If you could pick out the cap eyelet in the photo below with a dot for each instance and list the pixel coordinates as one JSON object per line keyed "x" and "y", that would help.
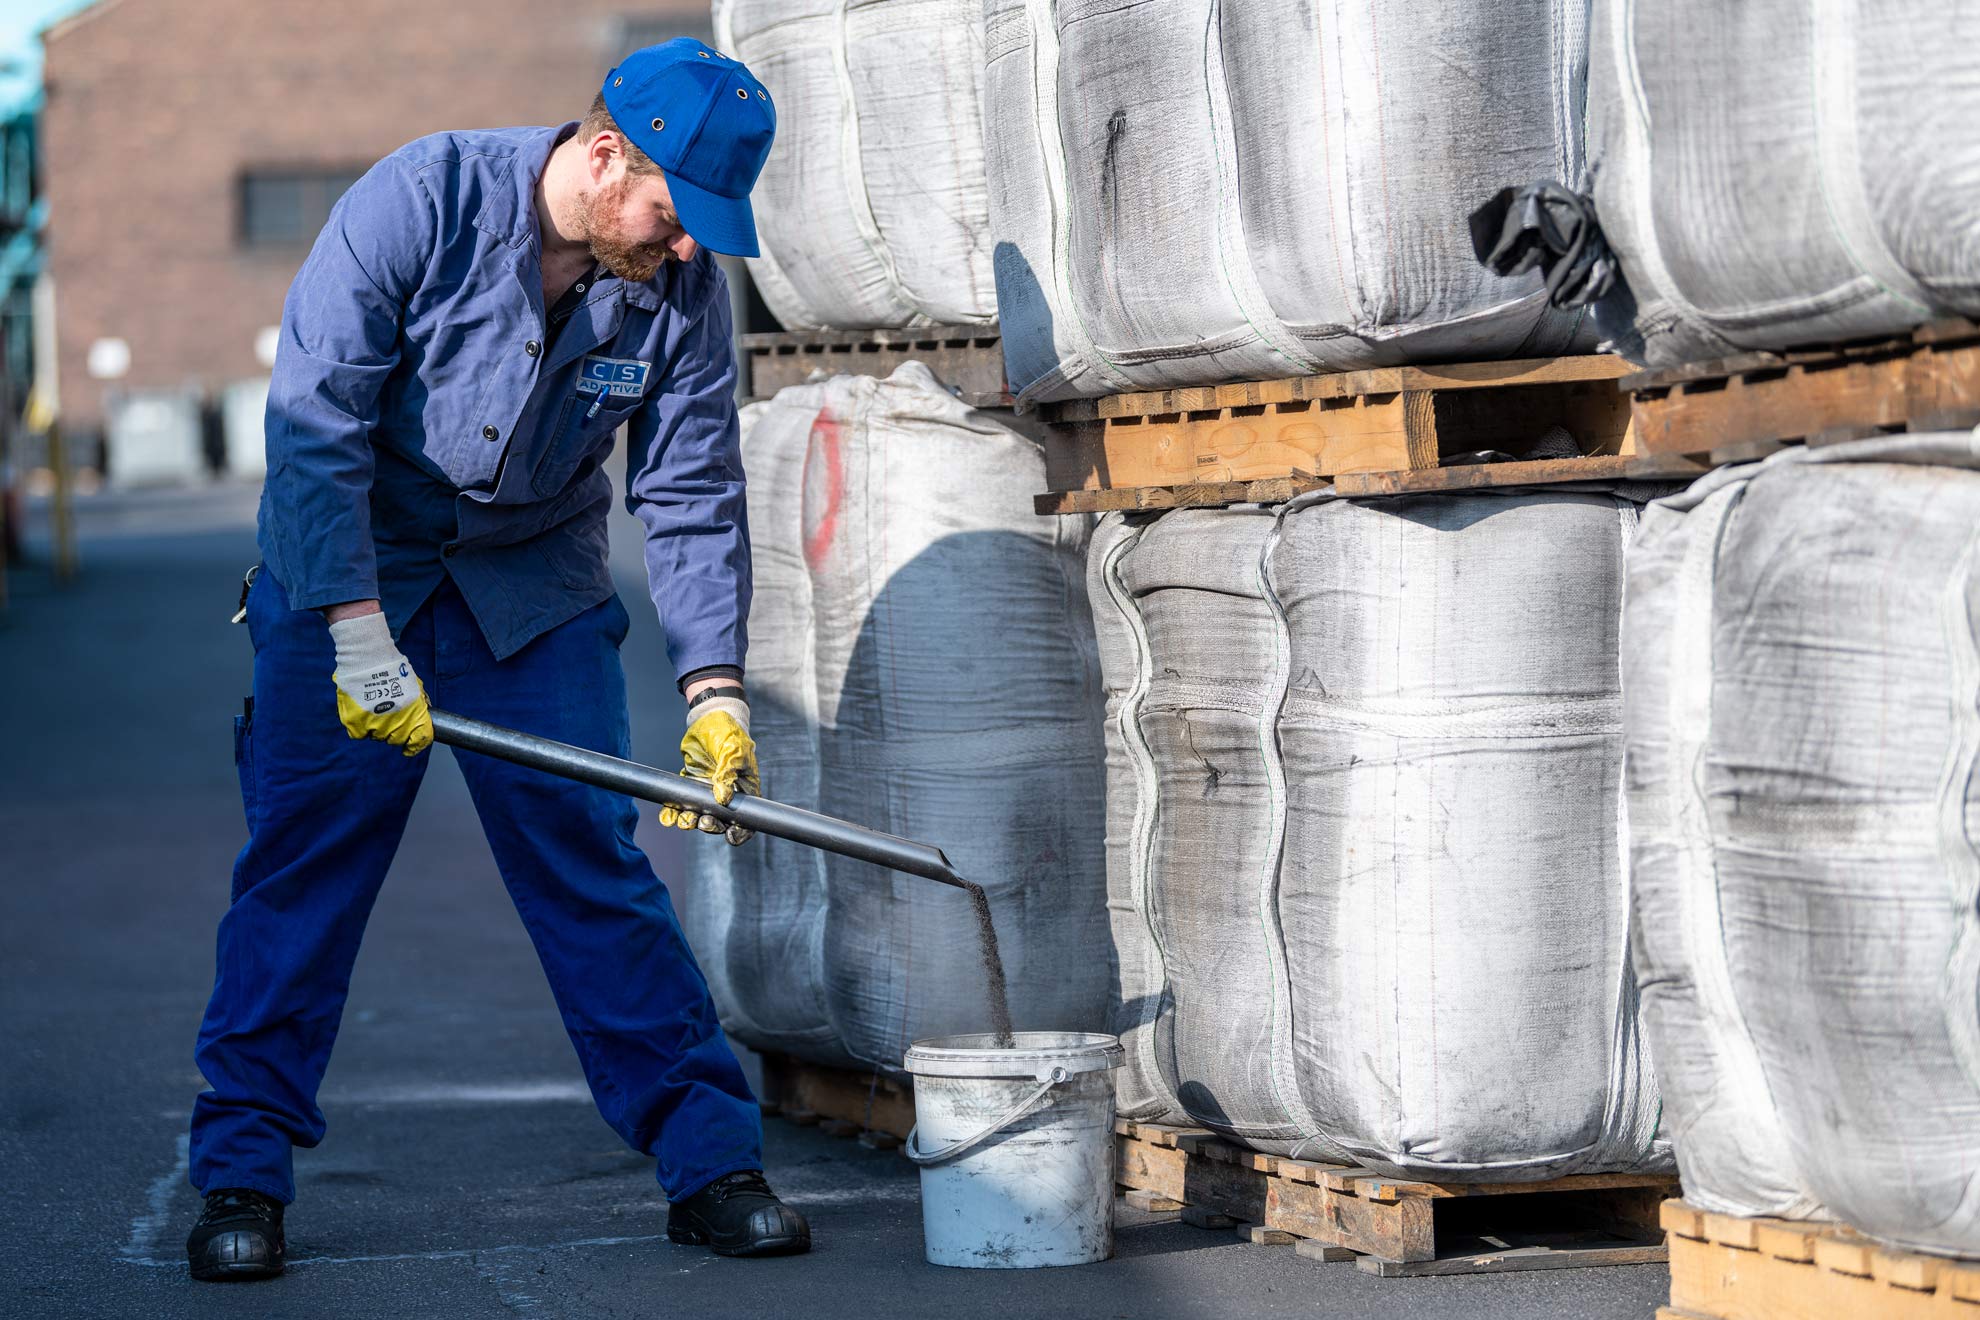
{"x": 659, "y": 124}
{"x": 618, "y": 82}
{"x": 743, "y": 92}
{"x": 702, "y": 53}
{"x": 761, "y": 97}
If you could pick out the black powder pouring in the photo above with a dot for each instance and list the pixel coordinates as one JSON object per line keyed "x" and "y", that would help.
{"x": 993, "y": 967}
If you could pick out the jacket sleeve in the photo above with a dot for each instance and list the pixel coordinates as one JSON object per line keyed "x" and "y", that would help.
{"x": 684, "y": 482}
{"x": 339, "y": 343}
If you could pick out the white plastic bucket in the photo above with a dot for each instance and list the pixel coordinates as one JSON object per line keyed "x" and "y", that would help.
{"x": 1016, "y": 1148}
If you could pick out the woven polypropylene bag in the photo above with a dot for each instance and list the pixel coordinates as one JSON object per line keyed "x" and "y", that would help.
{"x": 931, "y": 673}
{"x": 872, "y": 209}
{"x": 1364, "y": 801}
{"x": 1190, "y": 191}
{"x": 1823, "y": 609}
{"x": 1808, "y": 174}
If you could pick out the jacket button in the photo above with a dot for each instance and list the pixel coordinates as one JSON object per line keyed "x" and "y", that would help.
{"x": 447, "y": 551}
{"x": 532, "y": 348}
{"x": 490, "y": 433}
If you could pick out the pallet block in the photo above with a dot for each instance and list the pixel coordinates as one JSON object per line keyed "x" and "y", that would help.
{"x": 1727, "y": 1268}
{"x": 837, "y": 1100}
{"x": 1270, "y": 440}
{"x": 967, "y": 359}
{"x": 1395, "y": 1226}
{"x": 1748, "y": 406}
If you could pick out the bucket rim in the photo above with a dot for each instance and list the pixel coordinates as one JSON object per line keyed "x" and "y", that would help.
{"x": 1037, "y": 1054}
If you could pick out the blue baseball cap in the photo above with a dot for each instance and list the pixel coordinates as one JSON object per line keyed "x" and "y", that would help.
{"x": 707, "y": 123}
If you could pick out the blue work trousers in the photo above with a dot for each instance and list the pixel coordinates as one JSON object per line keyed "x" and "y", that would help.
{"x": 325, "y": 815}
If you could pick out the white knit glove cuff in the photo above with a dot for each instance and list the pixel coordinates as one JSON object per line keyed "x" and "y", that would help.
{"x": 369, "y": 666}
{"x": 735, "y": 706}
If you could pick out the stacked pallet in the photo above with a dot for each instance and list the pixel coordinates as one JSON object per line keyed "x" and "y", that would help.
{"x": 1357, "y": 586}
{"x": 1380, "y": 431}
{"x": 1367, "y": 515}
{"x": 1798, "y": 274}
{"x": 1392, "y": 1227}
{"x": 1724, "y": 1267}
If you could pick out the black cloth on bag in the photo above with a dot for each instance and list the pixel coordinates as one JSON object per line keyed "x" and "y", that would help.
{"x": 1553, "y": 228}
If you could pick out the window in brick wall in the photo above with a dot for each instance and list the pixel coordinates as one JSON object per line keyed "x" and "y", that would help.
{"x": 287, "y": 207}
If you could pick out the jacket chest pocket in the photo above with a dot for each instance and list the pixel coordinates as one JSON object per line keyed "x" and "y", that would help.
{"x": 585, "y": 424}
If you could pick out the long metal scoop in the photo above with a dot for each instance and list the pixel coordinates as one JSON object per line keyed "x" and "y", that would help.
{"x": 643, "y": 781}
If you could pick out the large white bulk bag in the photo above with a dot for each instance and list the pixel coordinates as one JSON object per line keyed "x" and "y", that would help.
{"x": 755, "y": 916}
{"x": 871, "y": 210}
{"x": 1370, "y": 830}
{"x": 1190, "y": 191}
{"x": 923, "y": 660}
{"x": 1807, "y": 173}
{"x": 1191, "y": 656}
{"x": 1812, "y": 951}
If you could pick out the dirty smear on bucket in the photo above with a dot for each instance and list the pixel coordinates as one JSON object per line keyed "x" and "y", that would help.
{"x": 1016, "y": 1147}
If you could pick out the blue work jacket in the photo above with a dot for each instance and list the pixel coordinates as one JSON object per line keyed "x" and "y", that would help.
{"x": 419, "y": 426}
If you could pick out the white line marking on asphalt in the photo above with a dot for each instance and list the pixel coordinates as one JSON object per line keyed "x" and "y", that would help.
{"x": 464, "y": 1253}
{"x": 876, "y": 1192}
{"x": 497, "y": 1093}
{"x": 511, "y": 1278}
{"x": 132, "y": 1256}
{"x": 149, "y": 1223}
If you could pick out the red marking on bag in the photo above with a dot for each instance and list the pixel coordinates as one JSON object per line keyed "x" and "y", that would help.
{"x": 824, "y": 486}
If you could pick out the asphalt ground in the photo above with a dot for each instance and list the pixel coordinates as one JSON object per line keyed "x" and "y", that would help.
{"x": 465, "y": 1173}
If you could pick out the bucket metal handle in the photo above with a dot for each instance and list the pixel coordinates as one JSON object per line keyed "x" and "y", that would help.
{"x": 1017, "y": 1111}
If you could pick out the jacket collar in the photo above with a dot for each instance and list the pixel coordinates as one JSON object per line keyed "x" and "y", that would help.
{"x": 508, "y": 208}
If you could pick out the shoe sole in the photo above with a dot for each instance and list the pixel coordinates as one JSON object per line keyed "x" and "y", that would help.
{"x": 234, "y": 1273}
{"x": 789, "y": 1245}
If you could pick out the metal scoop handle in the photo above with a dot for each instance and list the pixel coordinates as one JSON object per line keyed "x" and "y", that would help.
{"x": 642, "y": 781}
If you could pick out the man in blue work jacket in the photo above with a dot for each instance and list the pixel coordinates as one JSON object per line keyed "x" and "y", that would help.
{"x": 480, "y": 316}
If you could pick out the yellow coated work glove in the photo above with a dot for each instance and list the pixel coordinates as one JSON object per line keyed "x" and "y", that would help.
{"x": 378, "y": 695}
{"x": 718, "y": 751}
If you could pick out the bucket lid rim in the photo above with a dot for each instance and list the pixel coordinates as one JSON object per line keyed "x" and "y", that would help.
{"x": 1089, "y": 1052}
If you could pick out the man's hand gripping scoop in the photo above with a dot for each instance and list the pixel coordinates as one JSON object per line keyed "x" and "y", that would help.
{"x": 718, "y": 751}
{"x": 378, "y": 695}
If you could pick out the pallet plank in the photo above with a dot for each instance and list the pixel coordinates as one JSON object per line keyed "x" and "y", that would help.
{"x": 1473, "y": 476}
{"x": 1928, "y": 380}
{"x": 849, "y": 1102}
{"x": 1375, "y": 1215}
{"x": 1516, "y": 1258}
{"x": 1805, "y": 1271}
{"x": 968, "y": 359}
{"x": 1346, "y": 384}
{"x": 1156, "y": 1169}
{"x": 1198, "y": 445}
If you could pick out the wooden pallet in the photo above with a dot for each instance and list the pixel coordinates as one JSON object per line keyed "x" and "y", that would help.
{"x": 968, "y": 359}
{"x": 1271, "y": 440}
{"x": 869, "y": 1105}
{"x": 1398, "y": 1227}
{"x": 1748, "y": 406}
{"x": 1726, "y": 1268}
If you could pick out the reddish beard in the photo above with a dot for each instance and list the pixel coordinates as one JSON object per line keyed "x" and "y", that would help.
{"x": 605, "y": 232}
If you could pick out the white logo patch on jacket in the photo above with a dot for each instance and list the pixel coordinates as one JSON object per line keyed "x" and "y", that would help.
{"x": 623, "y": 377}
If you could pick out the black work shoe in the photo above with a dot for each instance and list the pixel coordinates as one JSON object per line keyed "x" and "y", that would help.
{"x": 238, "y": 1236}
{"x": 738, "y": 1215}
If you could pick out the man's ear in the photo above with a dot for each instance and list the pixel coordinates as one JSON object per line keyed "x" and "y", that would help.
{"x": 602, "y": 154}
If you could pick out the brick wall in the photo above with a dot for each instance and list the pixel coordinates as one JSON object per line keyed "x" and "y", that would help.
{"x": 155, "y": 107}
